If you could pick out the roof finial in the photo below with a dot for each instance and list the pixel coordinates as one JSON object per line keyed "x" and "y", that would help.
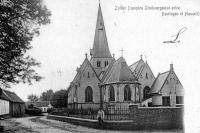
{"x": 85, "y": 55}
{"x": 171, "y": 67}
{"x": 122, "y": 52}
{"x": 141, "y": 56}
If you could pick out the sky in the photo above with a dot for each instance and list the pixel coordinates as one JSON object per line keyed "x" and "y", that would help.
{"x": 61, "y": 45}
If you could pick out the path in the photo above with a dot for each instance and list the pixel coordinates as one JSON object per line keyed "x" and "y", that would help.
{"x": 43, "y": 125}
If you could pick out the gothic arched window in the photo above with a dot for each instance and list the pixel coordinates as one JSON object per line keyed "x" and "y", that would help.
{"x": 146, "y": 92}
{"x": 111, "y": 93}
{"x": 127, "y": 93}
{"x": 88, "y": 94}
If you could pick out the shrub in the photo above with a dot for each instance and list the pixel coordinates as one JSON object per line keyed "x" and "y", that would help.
{"x": 49, "y": 110}
{"x": 34, "y": 111}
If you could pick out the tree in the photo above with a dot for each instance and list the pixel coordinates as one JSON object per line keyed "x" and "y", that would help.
{"x": 59, "y": 99}
{"x": 33, "y": 98}
{"x": 20, "y": 21}
{"x": 46, "y": 96}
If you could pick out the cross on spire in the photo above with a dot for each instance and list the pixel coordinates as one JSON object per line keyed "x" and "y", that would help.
{"x": 122, "y": 51}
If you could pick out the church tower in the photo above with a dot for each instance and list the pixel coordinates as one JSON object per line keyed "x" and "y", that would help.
{"x": 100, "y": 54}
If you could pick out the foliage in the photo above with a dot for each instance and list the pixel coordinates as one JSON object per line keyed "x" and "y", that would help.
{"x": 33, "y": 111}
{"x": 49, "y": 110}
{"x": 59, "y": 99}
{"x": 20, "y": 21}
{"x": 33, "y": 98}
{"x": 46, "y": 96}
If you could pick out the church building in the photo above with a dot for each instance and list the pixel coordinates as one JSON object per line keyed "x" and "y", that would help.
{"x": 103, "y": 81}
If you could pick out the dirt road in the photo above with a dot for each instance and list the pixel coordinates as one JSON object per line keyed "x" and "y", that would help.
{"x": 43, "y": 125}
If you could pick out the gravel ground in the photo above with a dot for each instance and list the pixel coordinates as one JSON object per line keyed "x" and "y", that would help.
{"x": 43, "y": 125}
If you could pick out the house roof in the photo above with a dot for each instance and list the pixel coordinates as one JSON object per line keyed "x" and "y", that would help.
{"x": 134, "y": 66}
{"x": 81, "y": 69}
{"x": 10, "y": 96}
{"x": 119, "y": 72}
{"x": 3, "y": 96}
{"x": 159, "y": 82}
{"x": 136, "y": 69}
{"x": 100, "y": 46}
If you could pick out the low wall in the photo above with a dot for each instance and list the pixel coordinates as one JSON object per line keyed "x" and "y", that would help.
{"x": 157, "y": 117}
{"x": 77, "y": 121}
{"x": 143, "y": 118}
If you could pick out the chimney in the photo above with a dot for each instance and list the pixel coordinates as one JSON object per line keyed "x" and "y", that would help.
{"x": 171, "y": 67}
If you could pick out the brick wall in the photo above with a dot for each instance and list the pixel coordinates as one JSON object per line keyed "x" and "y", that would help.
{"x": 157, "y": 117}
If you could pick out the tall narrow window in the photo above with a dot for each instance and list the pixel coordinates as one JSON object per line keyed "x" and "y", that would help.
{"x": 146, "y": 92}
{"x": 179, "y": 99}
{"x": 75, "y": 93}
{"x": 88, "y": 94}
{"x": 146, "y": 75}
{"x": 106, "y": 63}
{"x": 88, "y": 75}
{"x": 111, "y": 93}
{"x": 127, "y": 93}
{"x": 98, "y": 63}
{"x": 166, "y": 100}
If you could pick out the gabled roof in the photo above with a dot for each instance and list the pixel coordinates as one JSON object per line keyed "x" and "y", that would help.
{"x": 149, "y": 68}
{"x": 3, "y": 95}
{"x": 10, "y": 96}
{"x": 138, "y": 70}
{"x": 134, "y": 65}
{"x": 81, "y": 69}
{"x": 100, "y": 46}
{"x": 159, "y": 82}
{"x": 119, "y": 72}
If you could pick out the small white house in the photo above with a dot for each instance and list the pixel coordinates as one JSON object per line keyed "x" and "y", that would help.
{"x": 43, "y": 105}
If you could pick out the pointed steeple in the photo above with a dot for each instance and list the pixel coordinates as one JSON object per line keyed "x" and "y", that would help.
{"x": 100, "y": 46}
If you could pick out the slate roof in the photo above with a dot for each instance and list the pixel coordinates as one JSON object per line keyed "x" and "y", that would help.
{"x": 100, "y": 46}
{"x": 136, "y": 69}
{"x": 3, "y": 96}
{"x": 134, "y": 66}
{"x": 119, "y": 72}
{"x": 10, "y": 96}
{"x": 159, "y": 82}
{"x": 82, "y": 67}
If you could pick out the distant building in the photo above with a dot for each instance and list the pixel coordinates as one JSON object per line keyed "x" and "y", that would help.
{"x": 43, "y": 105}
{"x": 103, "y": 81}
{"x": 11, "y": 104}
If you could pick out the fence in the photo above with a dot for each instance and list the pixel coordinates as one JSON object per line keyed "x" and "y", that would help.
{"x": 109, "y": 113}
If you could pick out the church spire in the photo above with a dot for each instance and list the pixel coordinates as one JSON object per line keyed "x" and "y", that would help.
{"x": 100, "y": 46}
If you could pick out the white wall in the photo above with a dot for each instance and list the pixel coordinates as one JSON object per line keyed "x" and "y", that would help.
{"x": 4, "y": 107}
